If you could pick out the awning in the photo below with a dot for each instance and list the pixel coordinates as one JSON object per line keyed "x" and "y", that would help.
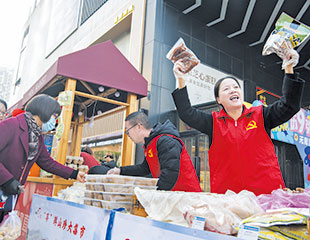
{"x": 101, "y": 70}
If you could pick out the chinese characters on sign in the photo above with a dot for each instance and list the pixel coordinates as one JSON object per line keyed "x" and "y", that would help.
{"x": 297, "y": 131}
{"x": 63, "y": 224}
{"x": 52, "y": 218}
{"x": 200, "y": 83}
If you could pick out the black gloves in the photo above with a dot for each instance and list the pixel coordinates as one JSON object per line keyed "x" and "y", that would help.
{"x": 74, "y": 174}
{"x": 12, "y": 187}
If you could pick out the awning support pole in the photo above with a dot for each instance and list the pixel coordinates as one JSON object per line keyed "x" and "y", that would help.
{"x": 128, "y": 145}
{"x": 63, "y": 143}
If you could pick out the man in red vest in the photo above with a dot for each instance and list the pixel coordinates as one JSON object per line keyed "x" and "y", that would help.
{"x": 165, "y": 155}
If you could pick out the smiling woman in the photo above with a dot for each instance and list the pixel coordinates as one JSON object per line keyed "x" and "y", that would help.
{"x": 228, "y": 94}
{"x": 241, "y": 156}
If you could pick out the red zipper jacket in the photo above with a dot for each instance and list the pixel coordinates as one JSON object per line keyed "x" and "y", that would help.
{"x": 234, "y": 142}
{"x": 187, "y": 179}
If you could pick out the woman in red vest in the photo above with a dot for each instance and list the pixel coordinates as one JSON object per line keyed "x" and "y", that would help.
{"x": 165, "y": 155}
{"x": 241, "y": 155}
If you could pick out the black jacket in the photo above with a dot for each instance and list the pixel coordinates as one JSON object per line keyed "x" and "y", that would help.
{"x": 275, "y": 114}
{"x": 169, "y": 152}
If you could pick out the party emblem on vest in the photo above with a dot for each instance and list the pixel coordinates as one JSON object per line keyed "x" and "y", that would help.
{"x": 251, "y": 125}
{"x": 2, "y": 204}
{"x": 150, "y": 153}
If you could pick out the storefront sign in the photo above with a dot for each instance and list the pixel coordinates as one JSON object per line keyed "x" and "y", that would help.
{"x": 51, "y": 218}
{"x": 297, "y": 131}
{"x": 200, "y": 83}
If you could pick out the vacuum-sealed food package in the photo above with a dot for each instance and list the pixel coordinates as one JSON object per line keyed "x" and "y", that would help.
{"x": 180, "y": 52}
{"x": 288, "y": 34}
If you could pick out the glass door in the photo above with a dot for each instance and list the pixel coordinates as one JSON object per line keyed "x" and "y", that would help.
{"x": 197, "y": 146}
{"x": 203, "y": 143}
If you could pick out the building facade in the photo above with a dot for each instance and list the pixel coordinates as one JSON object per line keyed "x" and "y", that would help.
{"x": 6, "y": 83}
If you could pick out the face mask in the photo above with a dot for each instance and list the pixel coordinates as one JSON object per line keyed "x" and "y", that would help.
{"x": 50, "y": 125}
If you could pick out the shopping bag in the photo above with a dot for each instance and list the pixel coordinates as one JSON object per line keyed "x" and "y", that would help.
{"x": 10, "y": 227}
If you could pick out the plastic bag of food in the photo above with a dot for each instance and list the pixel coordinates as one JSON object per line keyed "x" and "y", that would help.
{"x": 10, "y": 227}
{"x": 280, "y": 218}
{"x": 287, "y": 35}
{"x": 179, "y": 52}
{"x": 285, "y": 199}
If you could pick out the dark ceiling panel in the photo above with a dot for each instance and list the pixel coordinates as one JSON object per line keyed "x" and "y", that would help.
{"x": 262, "y": 12}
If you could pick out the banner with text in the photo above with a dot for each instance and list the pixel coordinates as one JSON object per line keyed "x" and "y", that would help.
{"x": 51, "y": 219}
{"x": 297, "y": 131}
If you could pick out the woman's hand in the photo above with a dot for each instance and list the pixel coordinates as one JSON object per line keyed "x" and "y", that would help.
{"x": 178, "y": 74}
{"x": 12, "y": 187}
{"x": 81, "y": 177}
{"x": 291, "y": 60}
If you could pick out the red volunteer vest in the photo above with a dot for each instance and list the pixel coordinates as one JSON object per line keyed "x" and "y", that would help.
{"x": 187, "y": 180}
{"x": 242, "y": 155}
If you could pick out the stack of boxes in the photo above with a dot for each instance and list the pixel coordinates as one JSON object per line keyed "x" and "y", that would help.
{"x": 114, "y": 191}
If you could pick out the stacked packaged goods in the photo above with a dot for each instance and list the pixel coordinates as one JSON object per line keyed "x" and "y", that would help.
{"x": 114, "y": 191}
{"x": 76, "y": 163}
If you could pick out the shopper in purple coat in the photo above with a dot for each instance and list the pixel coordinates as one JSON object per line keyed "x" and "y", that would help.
{"x": 22, "y": 145}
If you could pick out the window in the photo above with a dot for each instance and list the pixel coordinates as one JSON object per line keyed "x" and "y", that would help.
{"x": 90, "y": 7}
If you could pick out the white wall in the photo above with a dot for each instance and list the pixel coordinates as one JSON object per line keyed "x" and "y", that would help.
{"x": 36, "y": 60}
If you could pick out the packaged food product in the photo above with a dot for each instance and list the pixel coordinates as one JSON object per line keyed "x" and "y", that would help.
{"x": 98, "y": 195}
{"x": 117, "y": 197}
{"x": 122, "y": 179}
{"x": 137, "y": 208}
{"x": 120, "y": 188}
{"x": 75, "y": 160}
{"x": 96, "y": 203}
{"x": 99, "y": 187}
{"x": 119, "y": 179}
{"x": 83, "y": 168}
{"x": 90, "y": 186}
{"x": 292, "y": 231}
{"x": 87, "y": 201}
{"x": 89, "y": 194}
{"x": 288, "y": 34}
{"x": 69, "y": 159}
{"x": 275, "y": 218}
{"x": 80, "y": 160}
{"x": 146, "y": 187}
{"x": 94, "y": 186}
{"x": 116, "y": 205}
{"x": 142, "y": 181}
{"x": 90, "y": 178}
{"x": 180, "y": 52}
